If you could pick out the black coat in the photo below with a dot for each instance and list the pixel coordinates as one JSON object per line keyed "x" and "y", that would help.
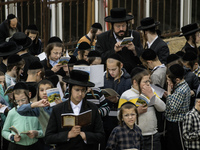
{"x": 4, "y": 30}
{"x": 105, "y": 45}
{"x": 3, "y": 67}
{"x": 55, "y": 134}
{"x": 161, "y": 49}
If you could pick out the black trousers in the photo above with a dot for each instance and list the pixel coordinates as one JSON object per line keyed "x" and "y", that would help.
{"x": 13, "y": 146}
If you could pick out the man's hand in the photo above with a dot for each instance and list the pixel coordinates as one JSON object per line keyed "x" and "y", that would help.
{"x": 82, "y": 134}
{"x": 117, "y": 47}
{"x": 113, "y": 99}
{"x": 56, "y": 68}
{"x": 131, "y": 47}
{"x": 17, "y": 138}
{"x": 41, "y": 103}
{"x": 142, "y": 109}
{"x": 74, "y": 132}
{"x": 32, "y": 134}
{"x": 169, "y": 86}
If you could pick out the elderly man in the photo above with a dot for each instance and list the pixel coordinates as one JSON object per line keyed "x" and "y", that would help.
{"x": 9, "y": 27}
{"x": 109, "y": 42}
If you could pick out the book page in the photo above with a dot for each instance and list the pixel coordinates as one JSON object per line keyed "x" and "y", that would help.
{"x": 12, "y": 128}
{"x": 42, "y": 56}
{"x": 109, "y": 92}
{"x": 53, "y": 94}
{"x": 84, "y": 119}
{"x": 142, "y": 100}
{"x": 126, "y": 40}
{"x": 97, "y": 75}
{"x": 159, "y": 91}
{"x": 68, "y": 121}
{"x": 2, "y": 109}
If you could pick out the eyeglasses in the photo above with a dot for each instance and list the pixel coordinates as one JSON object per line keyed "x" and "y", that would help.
{"x": 18, "y": 101}
{"x": 119, "y": 26}
{"x": 130, "y": 115}
{"x": 56, "y": 53}
{"x": 198, "y": 34}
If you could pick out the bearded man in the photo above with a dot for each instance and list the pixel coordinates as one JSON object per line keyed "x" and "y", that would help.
{"x": 109, "y": 42}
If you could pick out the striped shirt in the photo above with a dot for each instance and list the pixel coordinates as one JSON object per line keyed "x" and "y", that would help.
{"x": 177, "y": 104}
{"x": 197, "y": 71}
{"x": 191, "y": 129}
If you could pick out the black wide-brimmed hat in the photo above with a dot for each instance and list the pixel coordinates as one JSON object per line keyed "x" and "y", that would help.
{"x": 189, "y": 29}
{"x": 9, "y": 48}
{"x": 118, "y": 15}
{"x": 22, "y": 39}
{"x": 78, "y": 77}
{"x": 147, "y": 23}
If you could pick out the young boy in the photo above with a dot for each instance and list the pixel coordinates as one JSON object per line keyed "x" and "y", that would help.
{"x": 27, "y": 141}
{"x": 191, "y": 127}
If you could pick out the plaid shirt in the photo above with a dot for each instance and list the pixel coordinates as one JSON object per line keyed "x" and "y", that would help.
{"x": 191, "y": 129}
{"x": 197, "y": 71}
{"x": 177, "y": 104}
{"x": 125, "y": 138}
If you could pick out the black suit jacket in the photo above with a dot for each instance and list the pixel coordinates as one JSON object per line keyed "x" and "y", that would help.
{"x": 105, "y": 45}
{"x": 55, "y": 134}
{"x": 161, "y": 49}
{"x": 4, "y": 30}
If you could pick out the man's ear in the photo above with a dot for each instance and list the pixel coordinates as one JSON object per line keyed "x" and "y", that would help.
{"x": 14, "y": 68}
{"x": 38, "y": 73}
{"x": 178, "y": 80}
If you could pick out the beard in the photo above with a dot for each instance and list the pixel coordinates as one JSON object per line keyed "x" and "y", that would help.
{"x": 120, "y": 36}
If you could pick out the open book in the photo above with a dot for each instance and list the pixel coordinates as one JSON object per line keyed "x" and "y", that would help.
{"x": 9, "y": 89}
{"x": 126, "y": 40}
{"x": 109, "y": 92}
{"x": 142, "y": 99}
{"x": 2, "y": 109}
{"x": 70, "y": 119}
{"x": 12, "y": 128}
{"x": 64, "y": 60}
{"x": 53, "y": 94}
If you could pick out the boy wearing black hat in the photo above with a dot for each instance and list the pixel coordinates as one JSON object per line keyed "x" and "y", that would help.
{"x": 191, "y": 127}
{"x": 8, "y": 27}
{"x": 177, "y": 105}
{"x": 109, "y": 42}
{"x": 91, "y": 37}
{"x": 30, "y": 125}
{"x": 148, "y": 26}
{"x": 150, "y": 60}
{"x": 76, "y": 137}
{"x": 14, "y": 69}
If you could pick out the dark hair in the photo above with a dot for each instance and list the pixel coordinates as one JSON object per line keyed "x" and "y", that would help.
{"x": 127, "y": 106}
{"x": 49, "y": 49}
{"x": 172, "y": 76}
{"x": 93, "y": 32}
{"x": 28, "y": 31}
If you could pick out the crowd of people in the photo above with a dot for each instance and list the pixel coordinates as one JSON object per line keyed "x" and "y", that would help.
{"x": 157, "y": 106}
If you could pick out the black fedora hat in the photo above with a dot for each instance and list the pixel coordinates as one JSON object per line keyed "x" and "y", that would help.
{"x": 118, "y": 15}
{"x": 9, "y": 48}
{"x": 189, "y": 29}
{"x": 78, "y": 77}
{"x": 147, "y": 23}
{"x": 22, "y": 39}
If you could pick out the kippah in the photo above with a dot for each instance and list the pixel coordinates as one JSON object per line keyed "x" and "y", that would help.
{"x": 97, "y": 26}
{"x": 172, "y": 58}
{"x": 21, "y": 85}
{"x": 180, "y": 53}
{"x": 116, "y": 57}
{"x": 54, "y": 39}
{"x": 11, "y": 16}
{"x": 35, "y": 65}
{"x": 94, "y": 54}
{"x": 149, "y": 54}
{"x": 32, "y": 27}
{"x": 177, "y": 70}
{"x": 72, "y": 59}
{"x": 189, "y": 56}
{"x": 82, "y": 62}
{"x": 191, "y": 49}
{"x": 54, "y": 79}
{"x": 128, "y": 103}
{"x": 84, "y": 46}
{"x": 14, "y": 59}
{"x": 136, "y": 71}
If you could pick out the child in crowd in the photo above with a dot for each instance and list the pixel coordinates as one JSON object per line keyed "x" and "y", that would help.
{"x": 191, "y": 127}
{"x": 83, "y": 49}
{"x": 27, "y": 141}
{"x": 127, "y": 135}
{"x": 147, "y": 113}
{"x": 177, "y": 105}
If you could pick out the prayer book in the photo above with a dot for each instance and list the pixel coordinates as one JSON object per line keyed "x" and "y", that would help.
{"x": 12, "y": 128}
{"x": 2, "y": 109}
{"x": 126, "y": 40}
{"x": 142, "y": 100}
{"x": 64, "y": 60}
{"x": 109, "y": 92}
{"x": 70, "y": 119}
{"x": 53, "y": 95}
{"x": 9, "y": 89}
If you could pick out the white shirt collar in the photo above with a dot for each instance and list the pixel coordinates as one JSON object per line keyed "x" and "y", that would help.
{"x": 78, "y": 106}
{"x": 53, "y": 63}
{"x": 149, "y": 44}
{"x": 160, "y": 66}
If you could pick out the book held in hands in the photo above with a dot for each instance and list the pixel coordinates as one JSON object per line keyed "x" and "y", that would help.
{"x": 53, "y": 95}
{"x": 70, "y": 119}
{"x": 12, "y": 128}
{"x": 109, "y": 92}
{"x": 142, "y": 100}
{"x": 126, "y": 40}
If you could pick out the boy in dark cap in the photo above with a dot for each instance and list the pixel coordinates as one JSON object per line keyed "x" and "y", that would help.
{"x": 76, "y": 137}
{"x": 177, "y": 105}
{"x": 90, "y": 37}
{"x": 83, "y": 49}
{"x": 94, "y": 58}
{"x": 29, "y": 125}
{"x": 8, "y": 27}
{"x": 15, "y": 66}
{"x": 191, "y": 127}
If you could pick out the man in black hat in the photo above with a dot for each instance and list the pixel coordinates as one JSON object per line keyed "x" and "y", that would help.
{"x": 109, "y": 42}
{"x": 8, "y": 27}
{"x": 7, "y": 49}
{"x": 76, "y": 137}
{"x": 22, "y": 39}
{"x": 148, "y": 26}
{"x": 90, "y": 37}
